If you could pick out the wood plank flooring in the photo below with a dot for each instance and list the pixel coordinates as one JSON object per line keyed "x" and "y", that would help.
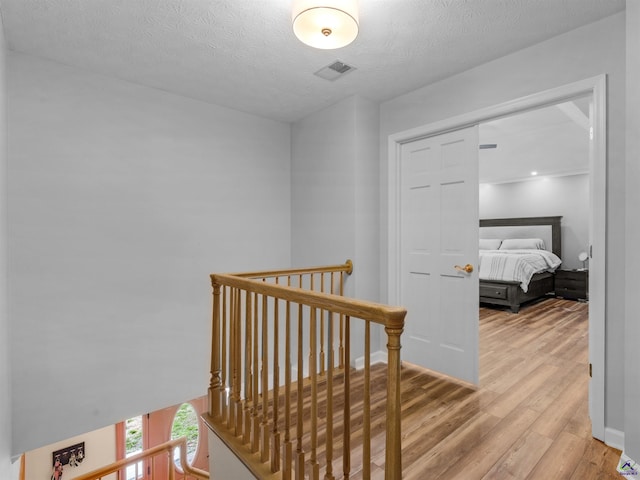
{"x": 527, "y": 420}
{"x": 529, "y": 417}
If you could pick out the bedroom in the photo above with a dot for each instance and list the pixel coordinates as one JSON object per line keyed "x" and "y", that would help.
{"x": 536, "y": 164}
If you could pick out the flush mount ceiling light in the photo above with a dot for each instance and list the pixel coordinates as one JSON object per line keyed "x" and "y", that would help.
{"x": 325, "y": 24}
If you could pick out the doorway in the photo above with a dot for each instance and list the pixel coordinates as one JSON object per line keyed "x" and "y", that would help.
{"x": 151, "y": 429}
{"x": 595, "y": 89}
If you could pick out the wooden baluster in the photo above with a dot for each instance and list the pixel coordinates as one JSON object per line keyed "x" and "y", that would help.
{"x": 313, "y": 368}
{"x": 393, "y": 446}
{"x": 237, "y": 369}
{"x": 255, "y": 439}
{"x": 248, "y": 392}
{"x": 215, "y": 386}
{"x": 223, "y": 393}
{"x": 366, "y": 420}
{"x": 287, "y": 453}
{"x": 264, "y": 447}
{"x": 346, "y": 436}
{"x": 233, "y": 312}
{"x": 300, "y": 456}
{"x": 342, "y": 361}
{"x": 322, "y": 353}
{"x": 275, "y": 435}
{"x": 230, "y": 365}
{"x": 329, "y": 424}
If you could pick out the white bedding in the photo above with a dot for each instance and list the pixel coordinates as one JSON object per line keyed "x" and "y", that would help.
{"x": 516, "y": 265}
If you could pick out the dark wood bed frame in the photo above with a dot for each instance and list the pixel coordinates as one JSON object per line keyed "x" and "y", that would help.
{"x": 510, "y": 294}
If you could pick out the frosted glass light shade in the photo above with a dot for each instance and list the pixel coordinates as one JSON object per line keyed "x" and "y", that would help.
{"x": 325, "y": 24}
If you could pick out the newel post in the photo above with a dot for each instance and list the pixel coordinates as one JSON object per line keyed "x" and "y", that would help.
{"x": 216, "y": 382}
{"x": 393, "y": 455}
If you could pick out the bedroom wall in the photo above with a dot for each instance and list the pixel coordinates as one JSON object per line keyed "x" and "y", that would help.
{"x": 595, "y": 49}
{"x": 567, "y": 196}
{"x": 123, "y": 199}
{"x": 5, "y": 374}
{"x": 334, "y": 208}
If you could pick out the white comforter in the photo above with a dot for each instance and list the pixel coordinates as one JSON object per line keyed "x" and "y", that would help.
{"x": 516, "y": 265}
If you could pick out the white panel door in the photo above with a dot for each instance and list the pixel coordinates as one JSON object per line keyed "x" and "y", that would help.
{"x": 439, "y": 230}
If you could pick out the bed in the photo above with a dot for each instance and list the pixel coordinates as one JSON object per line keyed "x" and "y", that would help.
{"x": 510, "y": 293}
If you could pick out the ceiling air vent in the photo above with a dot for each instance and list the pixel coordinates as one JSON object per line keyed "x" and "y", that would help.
{"x": 336, "y": 70}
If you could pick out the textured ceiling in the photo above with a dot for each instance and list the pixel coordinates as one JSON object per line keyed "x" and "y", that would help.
{"x": 242, "y": 53}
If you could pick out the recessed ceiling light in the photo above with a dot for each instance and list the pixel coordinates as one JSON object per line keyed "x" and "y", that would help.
{"x": 534, "y": 173}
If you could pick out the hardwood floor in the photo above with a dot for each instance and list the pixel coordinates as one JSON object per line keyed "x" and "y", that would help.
{"x": 529, "y": 417}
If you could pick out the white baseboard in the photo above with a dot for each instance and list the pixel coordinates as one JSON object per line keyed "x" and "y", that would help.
{"x": 614, "y": 438}
{"x": 376, "y": 357}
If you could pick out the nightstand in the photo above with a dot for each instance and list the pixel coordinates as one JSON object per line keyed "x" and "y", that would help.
{"x": 572, "y": 284}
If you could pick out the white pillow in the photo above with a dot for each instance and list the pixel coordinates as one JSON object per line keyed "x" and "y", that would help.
{"x": 490, "y": 243}
{"x": 522, "y": 244}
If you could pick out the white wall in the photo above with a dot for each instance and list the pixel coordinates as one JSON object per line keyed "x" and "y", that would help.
{"x": 5, "y": 377}
{"x": 566, "y": 196}
{"x": 100, "y": 450}
{"x": 632, "y": 325}
{"x": 322, "y": 186}
{"x": 367, "y": 194}
{"x": 334, "y": 176}
{"x": 583, "y": 53}
{"x": 335, "y": 210}
{"x": 122, "y": 200}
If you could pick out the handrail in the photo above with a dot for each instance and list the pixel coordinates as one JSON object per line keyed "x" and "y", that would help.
{"x": 293, "y": 319}
{"x": 385, "y": 315}
{"x": 346, "y": 267}
{"x": 167, "y": 447}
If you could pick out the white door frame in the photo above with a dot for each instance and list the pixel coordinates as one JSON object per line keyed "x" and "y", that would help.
{"x": 594, "y": 86}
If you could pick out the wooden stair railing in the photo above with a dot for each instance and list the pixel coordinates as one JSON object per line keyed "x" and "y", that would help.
{"x": 165, "y": 449}
{"x": 299, "y": 324}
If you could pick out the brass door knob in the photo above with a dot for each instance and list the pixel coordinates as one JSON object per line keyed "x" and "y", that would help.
{"x": 468, "y": 268}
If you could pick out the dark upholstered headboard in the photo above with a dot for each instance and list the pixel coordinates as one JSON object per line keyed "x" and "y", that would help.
{"x": 527, "y": 227}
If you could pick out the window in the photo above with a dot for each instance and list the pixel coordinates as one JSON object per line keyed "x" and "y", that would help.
{"x": 185, "y": 424}
{"x": 133, "y": 445}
